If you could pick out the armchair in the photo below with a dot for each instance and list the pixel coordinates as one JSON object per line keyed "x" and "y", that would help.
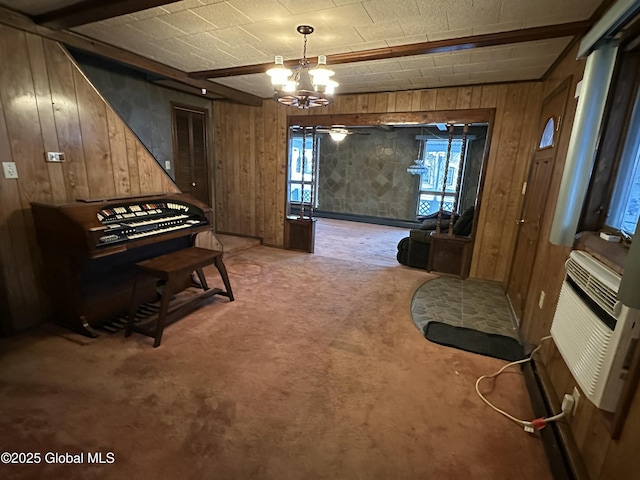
{"x": 415, "y": 250}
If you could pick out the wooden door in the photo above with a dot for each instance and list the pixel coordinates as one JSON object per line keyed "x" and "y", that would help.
{"x": 190, "y": 152}
{"x": 535, "y": 200}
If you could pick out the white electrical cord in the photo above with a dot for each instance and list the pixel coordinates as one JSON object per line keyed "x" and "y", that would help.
{"x": 529, "y": 426}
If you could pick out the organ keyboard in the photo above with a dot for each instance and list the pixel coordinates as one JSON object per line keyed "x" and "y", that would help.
{"x": 90, "y": 249}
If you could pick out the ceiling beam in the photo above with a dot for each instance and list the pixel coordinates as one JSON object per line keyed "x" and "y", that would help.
{"x": 19, "y": 21}
{"x": 424, "y": 48}
{"x": 89, "y": 11}
{"x": 478, "y": 115}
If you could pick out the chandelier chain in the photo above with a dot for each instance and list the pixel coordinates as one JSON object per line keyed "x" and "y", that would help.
{"x": 304, "y": 51}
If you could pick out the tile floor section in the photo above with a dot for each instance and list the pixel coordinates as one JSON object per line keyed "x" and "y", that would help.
{"x": 470, "y": 303}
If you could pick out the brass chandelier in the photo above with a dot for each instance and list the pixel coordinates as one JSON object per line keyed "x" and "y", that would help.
{"x": 304, "y": 87}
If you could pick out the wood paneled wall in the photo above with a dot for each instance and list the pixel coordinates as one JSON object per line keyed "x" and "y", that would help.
{"x": 603, "y": 457}
{"x": 251, "y": 161}
{"x": 46, "y": 104}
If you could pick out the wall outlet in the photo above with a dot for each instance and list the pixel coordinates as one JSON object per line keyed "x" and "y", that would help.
{"x": 55, "y": 157}
{"x": 167, "y": 165}
{"x": 541, "y": 299}
{"x": 10, "y": 170}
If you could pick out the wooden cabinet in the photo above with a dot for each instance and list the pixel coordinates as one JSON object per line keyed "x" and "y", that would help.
{"x": 450, "y": 254}
{"x": 299, "y": 234}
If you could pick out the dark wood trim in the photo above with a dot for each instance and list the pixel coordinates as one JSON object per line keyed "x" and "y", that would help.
{"x": 174, "y": 85}
{"x": 616, "y": 121}
{"x": 90, "y": 11}
{"x": 21, "y": 22}
{"x": 398, "y": 118}
{"x": 424, "y": 48}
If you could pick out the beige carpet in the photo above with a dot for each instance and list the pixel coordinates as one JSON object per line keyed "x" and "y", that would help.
{"x": 316, "y": 371}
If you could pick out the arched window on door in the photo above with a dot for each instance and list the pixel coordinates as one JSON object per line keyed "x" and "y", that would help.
{"x": 548, "y": 138}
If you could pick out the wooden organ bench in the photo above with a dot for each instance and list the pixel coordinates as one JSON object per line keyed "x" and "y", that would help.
{"x": 173, "y": 268}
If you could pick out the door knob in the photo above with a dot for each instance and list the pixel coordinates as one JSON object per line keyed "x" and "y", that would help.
{"x": 520, "y": 222}
{"x": 193, "y": 184}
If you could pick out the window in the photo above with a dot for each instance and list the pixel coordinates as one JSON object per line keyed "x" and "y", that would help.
{"x": 431, "y": 182}
{"x": 625, "y": 203}
{"x": 301, "y": 188}
{"x": 548, "y": 135}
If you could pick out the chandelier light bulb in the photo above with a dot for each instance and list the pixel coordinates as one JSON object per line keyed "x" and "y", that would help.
{"x": 278, "y": 73}
{"x": 321, "y": 73}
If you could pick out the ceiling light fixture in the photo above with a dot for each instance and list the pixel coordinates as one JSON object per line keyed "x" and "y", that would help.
{"x": 338, "y": 134}
{"x": 418, "y": 167}
{"x": 304, "y": 87}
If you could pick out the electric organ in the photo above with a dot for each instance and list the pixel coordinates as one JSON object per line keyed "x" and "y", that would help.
{"x": 90, "y": 248}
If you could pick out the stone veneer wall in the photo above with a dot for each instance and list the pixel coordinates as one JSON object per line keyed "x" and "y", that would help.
{"x": 367, "y": 174}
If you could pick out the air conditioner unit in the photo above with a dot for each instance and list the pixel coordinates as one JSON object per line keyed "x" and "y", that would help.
{"x": 594, "y": 332}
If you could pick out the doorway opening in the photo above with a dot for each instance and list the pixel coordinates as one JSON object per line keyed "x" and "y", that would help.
{"x": 361, "y": 175}
{"x": 190, "y": 151}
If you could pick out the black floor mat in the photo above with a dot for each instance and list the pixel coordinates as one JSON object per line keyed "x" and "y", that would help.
{"x": 489, "y": 344}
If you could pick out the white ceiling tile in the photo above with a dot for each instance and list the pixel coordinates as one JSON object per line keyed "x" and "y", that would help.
{"x": 375, "y": 77}
{"x": 179, "y": 6}
{"x": 148, "y": 13}
{"x": 202, "y": 41}
{"x": 304, "y": 6}
{"x": 356, "y": 47}
{"x": 416, "y": 62}
{"x": 350, "y": 70}
{"x": 354, "y": 15}
{"x": 487, "y": 54}
{"x": 557, "y": 11}
{"x": 454, "y": 78}
{"x": 383, "y": 66}
{"x": 384, "y": 10}
{"x": 496, "y": 27}
{"x": 453, "y": 58}
{"x": 176, "y": 46}
{"x": 465, "y": 32}
{"x": 346, "y": 2}
{"x": 235, "y": 36}
{"x": 436, "y": 71}
{"x": 187, "y": 22}
{"x": 380, "y": 31}
{"x": 407, "y": 40}
{"x": 222, "y": 14}
{"x": 115, "y": 21}
{"x": 155, "y": 28}
{"x": 404, "y": 74}
{"x": 259, "y": 11}
{"x": 423, "y": 25}
{"x": 481, "y": 13}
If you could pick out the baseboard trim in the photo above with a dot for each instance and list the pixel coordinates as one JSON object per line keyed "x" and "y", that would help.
{"x": 561, "y": 450}
{"x": 352, "y": 217}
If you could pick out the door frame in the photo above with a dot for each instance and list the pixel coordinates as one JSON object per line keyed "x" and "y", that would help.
{"x": 208, "y": 158}
{"x": 565, "y": 84}
{"x": 473, "y": 115}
